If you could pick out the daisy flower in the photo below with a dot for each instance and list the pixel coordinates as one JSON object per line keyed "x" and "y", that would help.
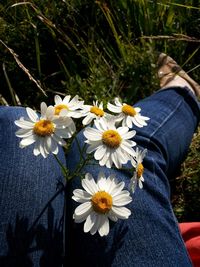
{"x": 45, "y": 131}
{"x": 92, "y": 112}
{"x": 127, "y": 114}
{"x": 139, "y": 169}
{"x": 71, "y": 106}
{"x": 111, "y": 144}
{"x": 100, "y": 201}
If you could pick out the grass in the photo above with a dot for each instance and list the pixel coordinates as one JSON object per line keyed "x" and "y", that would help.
{"x": 185, "y": 197}
{"x": 100, "y": 49}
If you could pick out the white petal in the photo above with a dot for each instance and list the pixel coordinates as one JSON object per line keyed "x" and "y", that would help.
{"x": 59, "y": 140}
{"x": 140, "y": 183}
{"x": 112, "y": 216}
{"x": 123, "y": 130}
{"x": 137, "y": 122}
{"x": 114, "y": 108}
{"x": 43, "y": 108}
{"x": 75, "y": 114}
{"x": 82, "y": 217}
{"x": 142, "y": 178}
{"x": 115, "y": 190}
{"x": 133, "y": 183}
{"x": 122, "y": 199}
{"x": 102, "y": 182}
{"x": 122, "y": 156}
{"x": 129, "y": 150}
{"x": 134, "y": 161}
{"x": 104, "y": 226}
{"x": 97, "y": 222}
{"x": 89, "y": 184}
{"x": 106, "y": 156}
{"x": 143, "y": 154}
{"x": 111, "y": 182}
{"x": 140, "y": 119}
{"x": 63, "y": 133}
{"x": 36, "y": 150}
{"x": 116, "y": 160}
{"x": 121, "y": 212}
{"x": 120, "y": 118}
{"x": 145, "y": 118}
{"x": 57, "y": 100}
{"x": 50, "y": 112}
{"x": 32, "y": 114}
{"x": 86, "y": 108}
{"x": 92, "y": 134}
{"x": 100, "y": 105}
{"x": 64, "y": 113}
{"x": 88, "y": 119}
{"x": 109, "y": 162}
{"x": 118, "y": 102}
{"x": 47, "y": 143}
{"x": 72, "y": 128}
{"x": 74, "y": 106}
{"x": 90, "y": 221}
{"x": 100, "y": 152}
{"x": 82, "y": 208}
{"x": 74, "y": 100}
{"x": 27, "y": 141}
{"x": 101, "y": 124}
{"x": 66, "y": 99}
{"x": 41, "y": 148}
{"x": 24, "y": 133}
{"x": 51, "y": 145}
{"x": 92, "y": 148}
{"x": 24, "y": 124}
{"x": 129, "y": 121}
{"x": 81, "y": 195}
{"x": 129, "y": 143}
{"x": 129, "y": 135}
{"x": 137, "y": 109}
{"x": 61, "y": 121}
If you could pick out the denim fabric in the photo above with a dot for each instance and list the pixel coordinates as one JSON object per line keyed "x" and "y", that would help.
{"x": 150, "y": 236}
{"x": 27, "y": 183}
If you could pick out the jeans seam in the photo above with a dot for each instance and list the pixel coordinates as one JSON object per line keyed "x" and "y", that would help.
{"x": 166, "y": 119}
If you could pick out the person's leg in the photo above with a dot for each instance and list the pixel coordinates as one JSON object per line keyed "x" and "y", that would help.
{"x": 27, "y": 184}
{"x": 150, "y": 236}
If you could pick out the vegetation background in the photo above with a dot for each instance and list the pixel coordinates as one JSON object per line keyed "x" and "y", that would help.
{"x": 98, "y": 50}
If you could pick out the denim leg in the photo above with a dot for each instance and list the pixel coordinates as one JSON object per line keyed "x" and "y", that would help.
{"x": 27, "y": 183}
{"x": 150, "y": 236}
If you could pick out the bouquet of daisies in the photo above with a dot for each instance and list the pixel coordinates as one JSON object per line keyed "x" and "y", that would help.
{"x": 109, "y": 140}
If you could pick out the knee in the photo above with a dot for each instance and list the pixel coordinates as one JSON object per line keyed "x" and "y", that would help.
{"x": 7, "y": 126}
{"x": 10, "y": 113}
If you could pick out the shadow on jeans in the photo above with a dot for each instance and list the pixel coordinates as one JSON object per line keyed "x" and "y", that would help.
{"x": 34, "y": 247}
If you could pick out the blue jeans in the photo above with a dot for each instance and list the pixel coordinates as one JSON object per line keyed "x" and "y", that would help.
{"x": 150, "y": 237}
{"x": 27, "y": 185}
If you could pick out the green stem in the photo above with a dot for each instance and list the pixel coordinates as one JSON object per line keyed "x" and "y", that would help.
{"x": 81, "y": 150}
{"x": 80, "y": 167}
{"x": 63, "y": 168}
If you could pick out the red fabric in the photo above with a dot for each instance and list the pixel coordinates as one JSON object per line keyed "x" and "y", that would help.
{"x": 191, "y": 236}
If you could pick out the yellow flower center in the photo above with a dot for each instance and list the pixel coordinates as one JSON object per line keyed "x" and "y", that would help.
{"x": 97, "y": 111}
{"x": 129, "y": 110}
{"x": 111, "y": 138}
{"x": 43, "y": 128}
{"x": 140, "y": 170}
{"x": 102, "y": 202}
{"x": 58, "y": 108}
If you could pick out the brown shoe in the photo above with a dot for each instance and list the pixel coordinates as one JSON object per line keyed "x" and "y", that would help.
{"x": 168, "y": 69}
